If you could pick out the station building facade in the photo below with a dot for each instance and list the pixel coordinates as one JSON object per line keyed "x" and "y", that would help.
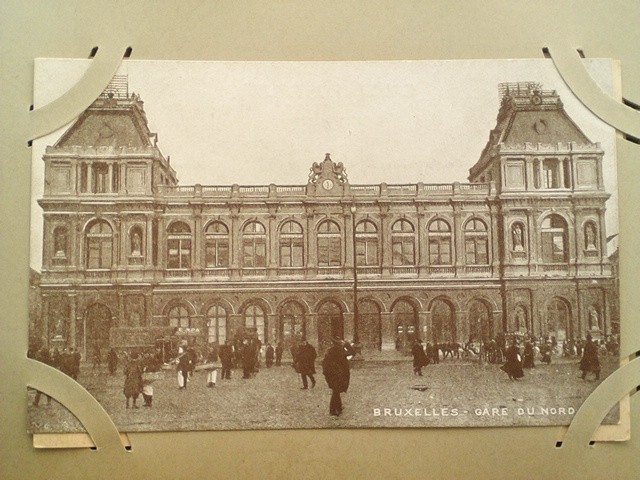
{"x": 130, "y": 255}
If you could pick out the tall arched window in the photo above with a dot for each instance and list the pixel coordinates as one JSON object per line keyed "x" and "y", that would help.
{"x": 179, "y": 245}
{"x": 329, "y": 244}
{"x": 439, "y": 242}
{"x": 216, "y": 238}
{"x": 403, "y": 243}
{"x": 254, "y": 245}
{"x": 179, "y": 317}
{"x": 99, "y": 245}
{"x": 291, "y": 245}
{"x": 217, "y": 324}
{"x": 366, "y": 244}
{"x": 555, "y": 245}
{"x": 254, "y": 318}
{"x": 476, "y": 242}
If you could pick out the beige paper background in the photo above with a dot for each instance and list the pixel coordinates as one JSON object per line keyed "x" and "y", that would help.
{"x": 320, "y": 30}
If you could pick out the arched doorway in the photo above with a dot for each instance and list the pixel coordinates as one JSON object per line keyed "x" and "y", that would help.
{"x": 443, "y": 322}
{"x": 330, "y": 324}
{"x": 480, "y": 326}
{"x": 558, "y": 319}
{"x": 291, "y": 324}
{"x": 369, "y": 322}
{"x": 405, "y": 318}
{"x": 97, "y": 320}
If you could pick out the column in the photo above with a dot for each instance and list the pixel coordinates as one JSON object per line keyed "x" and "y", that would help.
{"x": 347, "y": 319}
{"x": 312, "y": 250}
{"x": 147, "y": 318}
{"x": 197, "y": 248}
{"x": 388, "y": 331}
{"x": 386, "y": 246}
{"x": 532, "y": 242}
{"x": 602, "y": 239}
{"x": 109, "y": 188}
{"x": 311, "y": 328}
{"x": 72, "y": 320}
{"x": 423, "y": 328}
{"x": 560, "y": 166}
{"x": 271, "y": 328}
{"x": 235, "y": 243}
{"x": 45, "y": 320}
{"x": 272, "y": 243}
{"x": 350, "y": 255}
{"x": 456, "y": 241}
{"x": 148, "y": 242}
{"x": 89, "y": 177}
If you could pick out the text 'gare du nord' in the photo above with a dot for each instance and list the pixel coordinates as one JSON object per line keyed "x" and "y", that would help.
{"x": 130, "y": 256}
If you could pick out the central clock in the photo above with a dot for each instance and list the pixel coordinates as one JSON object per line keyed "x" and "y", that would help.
{"x": 327, "y": 184}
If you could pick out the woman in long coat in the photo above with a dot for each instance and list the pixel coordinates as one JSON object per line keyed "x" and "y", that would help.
{"x": 419, "y": 357}
{"x": 513, "y": 366}
{"x": 133, "y": 380}
{"x": 335, "y": 368}
{"x": 590, "y": 361}
{"x": 528, "y": 357}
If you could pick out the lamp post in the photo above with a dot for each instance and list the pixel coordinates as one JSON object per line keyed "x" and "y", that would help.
{"x": 356, "y": 333}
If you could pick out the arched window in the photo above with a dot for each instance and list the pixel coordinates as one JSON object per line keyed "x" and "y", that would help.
{"x": 217, "y": 324}
{"x": 60, "y": 240}
{"x": 179, "y": 245}
{"x": 329, "y": 244}
{"x": 254, "y": 245}
{"x": 254, "y": 318}
{"x": 403, "y": 243}
{"x": 476, "y": 242}
{"x": 554, "y": 240}
{"x": 439, "y": 242}
{"x": 216, "y": 247}
{"x": 291, "y": 245}
{"x": 179, "y": 317}
{"x": 366, "y": 244}
{"x": 590, "y": 237}
{"x": 99, "y": 245}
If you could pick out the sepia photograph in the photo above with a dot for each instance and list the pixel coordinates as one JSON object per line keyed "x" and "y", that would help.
{"x": 287, "y": 245}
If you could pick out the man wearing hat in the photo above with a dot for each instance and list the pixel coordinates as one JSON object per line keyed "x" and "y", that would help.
{"x": 306, "y": 363}
{"x": 590, "y": 361}
{"x": 335, "y": 368}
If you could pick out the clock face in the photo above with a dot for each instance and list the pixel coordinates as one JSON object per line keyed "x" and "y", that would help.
{"x": 327, "y": 184}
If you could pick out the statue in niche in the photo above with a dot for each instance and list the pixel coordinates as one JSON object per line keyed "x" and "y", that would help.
{"x": 518, "y": 242}
{"x": 520, "y": 319}
{"x": 590, "y": 234}
{"x": 60, "y": 243}
{"x": 594, "y": 323}
{"x": 136, "y": 244}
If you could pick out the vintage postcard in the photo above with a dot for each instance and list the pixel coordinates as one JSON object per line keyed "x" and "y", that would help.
{"x": 276, "y": 245}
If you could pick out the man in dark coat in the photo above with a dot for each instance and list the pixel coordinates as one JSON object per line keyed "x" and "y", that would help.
{"x": 528, "y": 357}
{"x": 306, "y": 363}
{"x": 513, "y": 365}
{"x": 112, "y": 361}
{"x": 590, "y": 361}
{"x": 419, "y": 357}
{"x": 184, "y": 366}
{"x": 335, "y": 368}
{"x": 133, "y": 380}
{"x": 226, "y": 359}
{"x": 268, "y": 355}
{"x": 248, "y": 354}
{"x": 279, "y": 354}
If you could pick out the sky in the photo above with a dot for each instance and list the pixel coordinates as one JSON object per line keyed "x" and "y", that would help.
{"x": 255, "y": 123}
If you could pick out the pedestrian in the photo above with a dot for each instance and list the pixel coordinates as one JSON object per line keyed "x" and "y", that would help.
{"x": 335, "y": 368}
{"x": 546, "y": 352}
{"x": 248, "y": 356}
{"x": 269, "y": 354}
{"x": 590, "y": 363}
{"x": 97, "y": 357}
{"x": 306, "y": 363}
{"x": 133, "y": 380}
{"x": 279, "y": 354}
{"x": 184, "y": 366}
{"x": 112, "y": 361}
{"x": 435, "y": 358}
{"x": 528, "y": 356}
{"x": 513, "y": 365}
{"x": 419, "y": 357}
{"x": 226, "y": 360}
{"x": 75, "y": 359}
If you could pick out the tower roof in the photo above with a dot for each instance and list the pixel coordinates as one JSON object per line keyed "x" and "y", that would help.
{"x": 529, "y": 114}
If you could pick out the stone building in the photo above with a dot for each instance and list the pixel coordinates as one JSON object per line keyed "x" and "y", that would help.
{"x": 129, "y": 255}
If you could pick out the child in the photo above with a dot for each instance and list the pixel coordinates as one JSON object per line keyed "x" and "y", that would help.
{"x": 147, "y": 393}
